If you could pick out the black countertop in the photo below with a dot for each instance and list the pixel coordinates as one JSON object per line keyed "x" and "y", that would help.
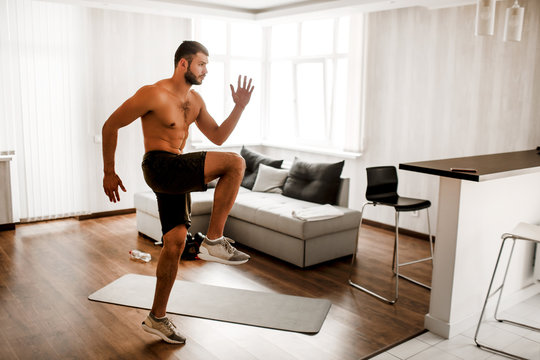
{"x": 487, "y": 167}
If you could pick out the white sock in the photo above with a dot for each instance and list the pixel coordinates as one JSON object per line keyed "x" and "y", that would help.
{"x": 218, "y": 239}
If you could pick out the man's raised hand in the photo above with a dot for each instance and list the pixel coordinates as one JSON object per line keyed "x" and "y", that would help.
{"x": 242, "y": 95}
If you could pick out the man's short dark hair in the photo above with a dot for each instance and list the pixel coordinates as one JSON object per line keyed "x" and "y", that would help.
{"x": 187, "y": 50}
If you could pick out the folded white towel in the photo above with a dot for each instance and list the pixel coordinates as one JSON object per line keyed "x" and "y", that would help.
{"x": 320, "y": 212}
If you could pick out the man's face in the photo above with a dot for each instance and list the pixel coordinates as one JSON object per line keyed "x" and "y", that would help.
{"x": 196, "y": 69}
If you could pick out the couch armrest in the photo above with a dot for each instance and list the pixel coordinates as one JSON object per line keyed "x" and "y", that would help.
{"x": 343, "y": 192}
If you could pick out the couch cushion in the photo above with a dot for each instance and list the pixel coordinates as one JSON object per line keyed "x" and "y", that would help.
{"x": 201, "y": 202}
{"x": 146, "y": 201}
{"x": 270, "y": 179}
{"x": 274, "y": 211}
{"x": 316, "y": 182}
{"x": 253, "y": 159}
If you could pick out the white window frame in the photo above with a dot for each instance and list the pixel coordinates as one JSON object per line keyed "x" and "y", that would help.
{"x": 326, "y": 118}
{"x": 328, "y": 103}
{"x": 351, "y": 144}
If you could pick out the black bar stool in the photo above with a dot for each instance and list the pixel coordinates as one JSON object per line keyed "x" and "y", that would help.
{"x": 382, "y": 184}
{"x": 524, "y": 232}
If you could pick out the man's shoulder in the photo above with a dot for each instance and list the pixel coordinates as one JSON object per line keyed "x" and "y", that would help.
{"x": 155, "y": 91}
{"x": 158, "y": 87}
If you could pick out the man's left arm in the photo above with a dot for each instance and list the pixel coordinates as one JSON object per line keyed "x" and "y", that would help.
{"x": 218, "y": 134}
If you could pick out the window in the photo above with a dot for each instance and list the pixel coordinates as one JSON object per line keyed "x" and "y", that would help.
{"x": 310, "y": 99}
{"x": 308, "y": 68}
{"x": 304, "y": 91}
{"x": 235, "y": 49}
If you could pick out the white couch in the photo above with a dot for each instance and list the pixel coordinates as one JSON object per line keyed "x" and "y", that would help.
{"x": 264, "y": 221}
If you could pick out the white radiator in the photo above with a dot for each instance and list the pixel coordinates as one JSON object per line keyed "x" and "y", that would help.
{"x": 6, "y": 209}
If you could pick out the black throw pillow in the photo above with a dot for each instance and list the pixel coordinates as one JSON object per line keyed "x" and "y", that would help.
{"x": 315, "y": 182}
{"x": 253, "y": 159}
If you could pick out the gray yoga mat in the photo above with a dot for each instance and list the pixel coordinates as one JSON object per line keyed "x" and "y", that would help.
{"x": 269, "y": 310}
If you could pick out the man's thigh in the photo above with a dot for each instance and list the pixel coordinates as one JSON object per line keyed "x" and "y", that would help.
{"x": 219, "y": 163}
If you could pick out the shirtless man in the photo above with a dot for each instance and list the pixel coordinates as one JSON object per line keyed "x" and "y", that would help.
{"x": 167, "y": 109}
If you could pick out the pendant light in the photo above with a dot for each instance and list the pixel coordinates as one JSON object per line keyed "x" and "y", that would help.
{"x": 485, "y": 17}
{"x": 513, "y": 25}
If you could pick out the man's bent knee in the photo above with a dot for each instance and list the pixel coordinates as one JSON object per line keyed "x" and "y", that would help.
{"x": 239, "y": 164}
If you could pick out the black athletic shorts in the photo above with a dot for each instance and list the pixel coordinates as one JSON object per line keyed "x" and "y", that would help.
{"x": 172, "y": 177}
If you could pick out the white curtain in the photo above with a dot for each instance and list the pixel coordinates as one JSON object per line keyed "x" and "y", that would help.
{"x": 7, "y": 132}
{"x": 64, "y": 69}
{"x": 43, "y": 96}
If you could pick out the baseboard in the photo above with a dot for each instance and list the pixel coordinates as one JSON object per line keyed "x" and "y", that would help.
{"x": 6, "y": 227}
{"x": 105, "y": 214}
{"x": 402, "y": 231}
{"x": 11, "y": 226}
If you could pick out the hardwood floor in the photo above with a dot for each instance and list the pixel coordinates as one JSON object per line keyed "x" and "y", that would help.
{"x": 48, "y": 269}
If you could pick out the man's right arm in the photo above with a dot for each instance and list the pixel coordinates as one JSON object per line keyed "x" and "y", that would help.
{"x": 133, "y": 108}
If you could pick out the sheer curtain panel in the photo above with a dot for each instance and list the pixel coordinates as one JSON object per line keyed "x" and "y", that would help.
{"x": 43, "y": 92}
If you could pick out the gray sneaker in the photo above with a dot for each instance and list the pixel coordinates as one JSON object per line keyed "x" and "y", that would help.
{"x": 221, "y": 251}
{"x": 164, "y": 328}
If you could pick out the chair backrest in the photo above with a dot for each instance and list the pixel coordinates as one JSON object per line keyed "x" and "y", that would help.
{"x": 382, "y": 183}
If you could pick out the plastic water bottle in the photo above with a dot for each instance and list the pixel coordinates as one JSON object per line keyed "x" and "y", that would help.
{"x": 139, "y": 255}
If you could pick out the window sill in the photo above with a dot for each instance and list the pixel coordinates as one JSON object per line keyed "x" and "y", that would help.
{"x": 210, "y": 146}
{"x": 308, "y": 149}
{"x": 315, "y": 150}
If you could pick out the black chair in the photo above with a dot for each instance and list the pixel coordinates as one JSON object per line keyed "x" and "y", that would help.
{"x": 382, "y": 184}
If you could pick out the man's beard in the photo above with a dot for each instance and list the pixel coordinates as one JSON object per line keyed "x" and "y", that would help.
{"x": 191, "y": 78}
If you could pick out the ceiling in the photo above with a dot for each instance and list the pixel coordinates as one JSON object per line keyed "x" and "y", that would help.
{"x": 261, "y": 10}
{"x": 255, "y": 5}
{"x": 258, "y": 7}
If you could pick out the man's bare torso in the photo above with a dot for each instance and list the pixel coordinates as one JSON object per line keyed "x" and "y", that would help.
{"x": 166, "y": 127}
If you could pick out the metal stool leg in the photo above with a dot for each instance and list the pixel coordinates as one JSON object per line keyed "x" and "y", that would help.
{"x": 395, "y": 260}
{"x": 500, "y": 291}
{"x": 430, "y": 236}
{"x": 496, "y": 315}
{"x": 417, "y": 261}
{"x": 359, "y": 287}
